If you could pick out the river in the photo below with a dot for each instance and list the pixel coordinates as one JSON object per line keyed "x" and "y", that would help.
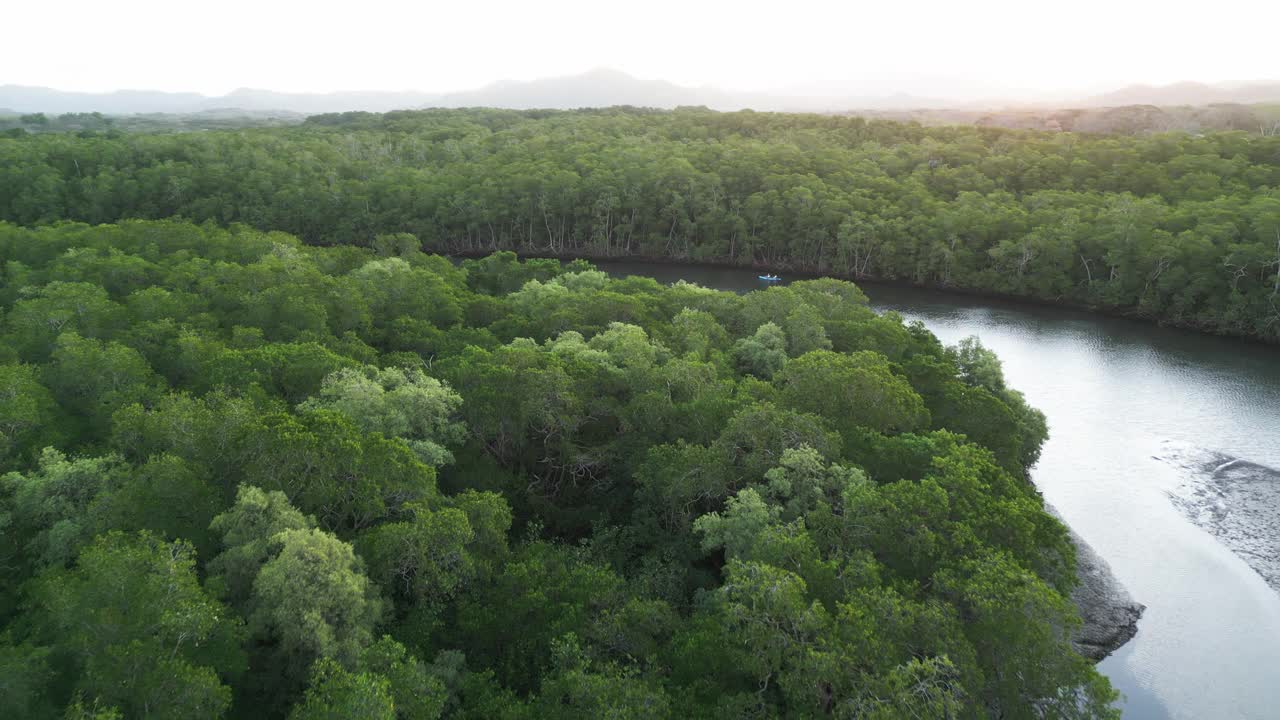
{"x": 1138, "y": 417}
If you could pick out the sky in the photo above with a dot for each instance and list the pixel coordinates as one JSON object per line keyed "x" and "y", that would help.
{"x": 973, "y": 48}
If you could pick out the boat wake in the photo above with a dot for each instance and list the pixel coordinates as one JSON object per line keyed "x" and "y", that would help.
{"x": 1235, "y": 500}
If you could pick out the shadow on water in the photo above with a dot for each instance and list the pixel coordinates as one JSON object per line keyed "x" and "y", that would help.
{"x": 1137, "y": 701}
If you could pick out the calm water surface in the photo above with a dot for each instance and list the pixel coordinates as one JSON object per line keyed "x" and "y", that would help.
{"x": 1121, "y": 398}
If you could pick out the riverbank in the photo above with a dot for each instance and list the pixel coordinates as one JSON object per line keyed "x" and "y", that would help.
{"x": 1116, "y": 394}
{"x": 1109, "y": 613}
{"x": 802, "y": 272}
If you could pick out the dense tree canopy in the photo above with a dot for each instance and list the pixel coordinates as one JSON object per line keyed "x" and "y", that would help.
{"x": 247, "y": 477}
{"x": 1175, "y": 227}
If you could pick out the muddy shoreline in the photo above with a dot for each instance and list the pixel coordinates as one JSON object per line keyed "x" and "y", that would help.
{"x": 1235, "y": 500}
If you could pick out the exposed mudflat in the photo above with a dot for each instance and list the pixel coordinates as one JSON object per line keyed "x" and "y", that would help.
{"x": 1235, "y": 500}
{"x": 1109, "y": 612}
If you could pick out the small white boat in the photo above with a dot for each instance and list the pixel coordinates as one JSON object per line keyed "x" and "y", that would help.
{"x": 769, "y": 278}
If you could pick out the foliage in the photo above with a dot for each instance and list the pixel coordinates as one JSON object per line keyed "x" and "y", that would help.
{"x": 335, "y": 694}
{"x": 247, "y": 477}
{"x": 1172, "y": 226}
{"x": 141, "y": 633}
{"x": 397, "y": 403}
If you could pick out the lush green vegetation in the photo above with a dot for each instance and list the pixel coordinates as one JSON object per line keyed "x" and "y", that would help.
{"x": 96, "y": 124}
{"x": 1179, "y": 228}
{"x": 247, "y": 477}
{"x": 1128, "y": 119}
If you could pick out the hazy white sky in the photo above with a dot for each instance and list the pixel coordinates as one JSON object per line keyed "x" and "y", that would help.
{"x": 953, "y": 47}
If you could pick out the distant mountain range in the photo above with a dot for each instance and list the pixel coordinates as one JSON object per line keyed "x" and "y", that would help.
{"x": 597, "y": 88}
{"x": 603, "y": 88}
{"x": 28, "y": 99}
{"x": 1187, "y": 93}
